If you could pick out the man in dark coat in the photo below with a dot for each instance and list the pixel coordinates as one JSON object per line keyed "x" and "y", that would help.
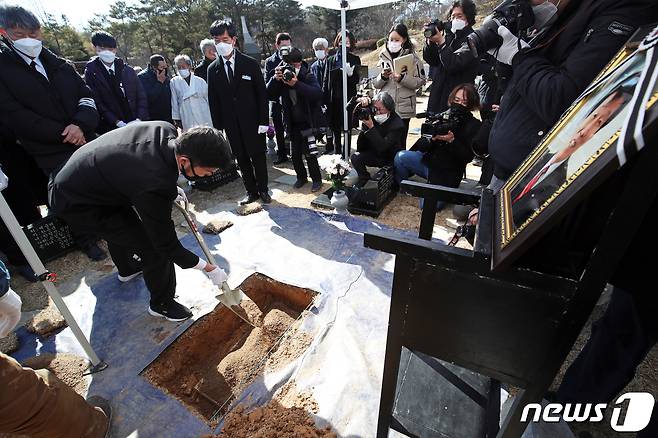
{"x": 155, "y": 80}
{"x": 447, "y": 52}
{"x": 238, "y": 105}
{"x": 209, "y": 52}
{"x": 550, "y": 75}
{"x": 118, "y": 93}
{"x": 300, "y": 97}
{"x": 43, "y": 101}
{"x": 122, "y": 185}
{"x": 282, "y": 40}
{"x": 381, "y": 139}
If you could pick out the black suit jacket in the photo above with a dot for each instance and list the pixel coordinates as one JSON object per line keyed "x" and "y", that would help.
{"x": 37, "y": 109}
{"x": 134, "y": 166}
{"x": 240, "y": 107}
{"x": 523, "y": 208}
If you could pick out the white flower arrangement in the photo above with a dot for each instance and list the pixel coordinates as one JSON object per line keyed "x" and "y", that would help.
{"x": 336, "y": 168}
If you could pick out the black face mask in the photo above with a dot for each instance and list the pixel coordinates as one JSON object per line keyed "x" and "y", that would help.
{"x": 457, "y": 108}
{"x": 194, "y": 176}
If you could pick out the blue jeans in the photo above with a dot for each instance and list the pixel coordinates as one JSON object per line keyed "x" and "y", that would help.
{"x": 409, "y": 163}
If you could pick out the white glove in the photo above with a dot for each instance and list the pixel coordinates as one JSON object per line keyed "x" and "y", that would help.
{"x": 182, "y": 197}
{"x": 134, "y": 121}
{"x": 217, "y": 276}
{"x": 510, "y": 47}
{"x": 349, "y": 68}
{"x": 121, "y": 124}
{"x": 263, "y": 129}
{"x": 4, "y": 181}
{"x": 10, "y": 312}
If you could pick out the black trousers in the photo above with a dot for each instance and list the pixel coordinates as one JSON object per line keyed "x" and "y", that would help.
{"x": 126, "y": 236}
{"x": 26, "y": 190}
{"x": 299, "y": 146}
{"x": 253, "y": 167}
{"x": 619, "y": 342}
{"x": 362, "y": 159}
{"x": 405, "y": 132}
{"x": 277, "y": 119}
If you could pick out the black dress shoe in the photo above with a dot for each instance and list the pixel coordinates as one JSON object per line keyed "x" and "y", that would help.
{"x": 299, "y": 183}
{"x": 280, "y": 161}
{"x": 265, "y": 197}
{"x": 94, "y": 252}
{"x": 252, "y": 197}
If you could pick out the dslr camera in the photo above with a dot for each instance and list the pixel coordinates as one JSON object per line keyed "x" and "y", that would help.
{"x": 288, "y": 56}
{"x": 365, "y": 112}
{"x": 433, "y": 27}
{"x": 440, "y": 124}
{"x": 516, "y": 15}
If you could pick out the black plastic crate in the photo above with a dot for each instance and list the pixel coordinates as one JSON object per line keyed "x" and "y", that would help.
{"x": 50, "y": 237}
{"x": 217, "y": 179}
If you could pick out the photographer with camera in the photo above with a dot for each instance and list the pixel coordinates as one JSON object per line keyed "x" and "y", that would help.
{"x": 446, "y": 50}
{"x": 301, "y": 96}
{"x": 382, "y": 136}
{"x": 444, "y": 149}
{"x": 282, "y": 40}
{"x": 568, "y": 43}
{"x": 401, "y": 86}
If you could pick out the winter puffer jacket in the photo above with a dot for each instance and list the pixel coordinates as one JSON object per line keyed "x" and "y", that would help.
{"x": 404, "y": 91}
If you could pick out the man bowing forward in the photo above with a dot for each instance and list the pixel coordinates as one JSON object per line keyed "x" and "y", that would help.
{"x": 238, "y": 105}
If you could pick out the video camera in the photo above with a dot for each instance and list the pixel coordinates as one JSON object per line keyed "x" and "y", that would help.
{"x": 516, "y": 15}
{"x": 440, "y": 124}
{"x": 433, "y": 27}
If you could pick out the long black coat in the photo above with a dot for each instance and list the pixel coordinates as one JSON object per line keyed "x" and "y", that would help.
{"x": 158, "y": 95}
{"x": 332, "y": 87}
{"x": 547, "y": 79}
{"x": 239, "y": 108}
{"x": 37, "y": 110}
{"x": 134, "y": 166}
{"x": 454, "y": 65}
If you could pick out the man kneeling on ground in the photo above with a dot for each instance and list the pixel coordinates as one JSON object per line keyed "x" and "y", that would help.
{"x": 122, "y": 186}
{"x": 381, "y": 138}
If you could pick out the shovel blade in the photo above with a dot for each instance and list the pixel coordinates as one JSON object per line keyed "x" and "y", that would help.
{"x": 232, "y": 298}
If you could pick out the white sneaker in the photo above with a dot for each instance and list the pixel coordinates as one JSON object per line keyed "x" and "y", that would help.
{"x": 127, "y": 278}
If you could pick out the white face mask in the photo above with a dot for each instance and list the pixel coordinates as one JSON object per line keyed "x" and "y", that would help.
{"x": 184, "y": 73}
{"x": 224, "y": 49}
{"x": 297, "y": 71}
{"x": 457, "y": 25}
{"x": 28, "y": 46}
{"x": 320, "y": 54}
{"x": 394, "y": 46}
{"x": 545, "y": 14}
{"x": 381, "y": 118}
{"x": 107, "y": 56}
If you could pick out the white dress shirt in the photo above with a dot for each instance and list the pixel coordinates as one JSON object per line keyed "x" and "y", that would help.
{"x": 232, "y": 61}
{"x": 39, "y": 66}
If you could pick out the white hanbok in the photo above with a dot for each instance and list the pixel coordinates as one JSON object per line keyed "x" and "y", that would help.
{"x": 189, "y": 103}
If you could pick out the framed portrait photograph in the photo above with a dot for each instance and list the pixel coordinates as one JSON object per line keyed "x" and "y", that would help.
{"x": 584, "y": 148}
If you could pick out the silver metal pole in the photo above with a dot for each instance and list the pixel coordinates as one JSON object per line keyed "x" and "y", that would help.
{"x": 40, "y": 270}
{"x": 343, "y": 38}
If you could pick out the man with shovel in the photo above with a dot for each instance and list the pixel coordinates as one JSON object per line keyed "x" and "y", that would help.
{"x": 122, "y": 186}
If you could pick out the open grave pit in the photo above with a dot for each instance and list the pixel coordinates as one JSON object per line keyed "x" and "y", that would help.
{"x": 219, "y": 355}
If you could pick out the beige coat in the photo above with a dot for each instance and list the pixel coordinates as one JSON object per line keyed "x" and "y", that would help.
{"x": 403, "y": 92}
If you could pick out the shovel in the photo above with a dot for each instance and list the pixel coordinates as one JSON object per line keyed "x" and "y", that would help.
{"x": 231, "y": 298}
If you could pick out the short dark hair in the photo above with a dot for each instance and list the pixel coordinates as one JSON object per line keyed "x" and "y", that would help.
{"x": 17, "y": 16}
{"x": 295, "y": 55}
{"x": 282, "y": 36}
{"x": 467, "y": 6}
{"x": 402, "y": 30}
{"x": 350, "y": 37}
{"x": 206, "y": 147}
{"x": 221, "y": 26}
{"x": 100, "y": 38}
{"x": 472, "y": 96}
{"x": 154, "y": 60}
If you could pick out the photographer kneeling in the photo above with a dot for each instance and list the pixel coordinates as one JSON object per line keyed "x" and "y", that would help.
{"x": 441, "y": 157}
{"x": 381, "y": 139}
{"x": 301, "y": 96}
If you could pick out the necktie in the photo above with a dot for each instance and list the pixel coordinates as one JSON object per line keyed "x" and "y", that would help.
{"x": 531, "y": 184}
{"x": 33, "y": 65}
{"x": 229, "y": 72}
